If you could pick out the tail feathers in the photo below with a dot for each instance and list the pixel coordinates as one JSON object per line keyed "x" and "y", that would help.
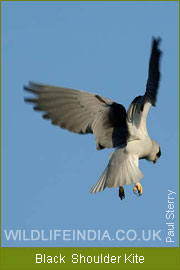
{"x": 101, "y": 183}
{"x": 119, "y": 173}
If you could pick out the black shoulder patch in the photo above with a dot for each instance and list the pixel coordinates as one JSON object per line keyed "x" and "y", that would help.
{"x": 117, "y": 115}
{"x": 142, "y": 107}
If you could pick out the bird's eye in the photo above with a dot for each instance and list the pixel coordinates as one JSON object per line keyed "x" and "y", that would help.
{"x": 159, "y": 153}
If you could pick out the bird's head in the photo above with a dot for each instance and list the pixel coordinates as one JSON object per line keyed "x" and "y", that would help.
{"x": 155, "y": 152}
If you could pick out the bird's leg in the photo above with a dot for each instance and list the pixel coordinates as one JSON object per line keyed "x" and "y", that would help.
{"x": 121, "y": 193}
{"x": 138, "y": 189}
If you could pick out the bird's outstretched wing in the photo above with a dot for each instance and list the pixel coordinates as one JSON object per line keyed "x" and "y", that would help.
{"x": 138, "y": 110}
{"x": 81, "y": 112}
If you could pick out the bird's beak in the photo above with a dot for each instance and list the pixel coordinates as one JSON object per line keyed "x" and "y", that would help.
{"x": 154, "y": 162}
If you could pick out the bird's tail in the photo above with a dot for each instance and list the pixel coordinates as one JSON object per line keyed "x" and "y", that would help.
{"x": 121, "y": 170}
{"x": 101, "y": 183}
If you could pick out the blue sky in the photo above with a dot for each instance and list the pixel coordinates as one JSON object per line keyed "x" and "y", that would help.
{"x": 47, "y": 172}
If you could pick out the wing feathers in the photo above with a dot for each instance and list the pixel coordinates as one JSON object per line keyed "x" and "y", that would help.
{"x": 81, "y": 112}
{"x": 154, "y": 73}
{"x": 84, "y": 112}
{"x": 138, "y": 110}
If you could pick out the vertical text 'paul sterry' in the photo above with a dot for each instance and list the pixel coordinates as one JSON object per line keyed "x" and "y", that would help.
{"x": 170, "y": 215}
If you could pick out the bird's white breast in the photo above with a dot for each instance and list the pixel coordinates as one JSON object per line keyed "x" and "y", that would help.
{"x": 142, "y": 148}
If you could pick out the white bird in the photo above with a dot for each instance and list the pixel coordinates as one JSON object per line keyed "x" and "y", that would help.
{"x": 82, "y": 112}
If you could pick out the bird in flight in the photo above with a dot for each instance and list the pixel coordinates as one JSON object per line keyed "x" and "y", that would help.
{"x": 113, "y": 127}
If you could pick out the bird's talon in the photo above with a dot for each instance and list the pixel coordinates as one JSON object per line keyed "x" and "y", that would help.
{"x": 121, "y": 193}
{"x": 138, "y": 190}
{"x": 135, "y": 190}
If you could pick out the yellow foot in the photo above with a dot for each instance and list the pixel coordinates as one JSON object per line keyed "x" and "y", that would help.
{"x": 138, "y": 189}
{"x": 121, "y": 193}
